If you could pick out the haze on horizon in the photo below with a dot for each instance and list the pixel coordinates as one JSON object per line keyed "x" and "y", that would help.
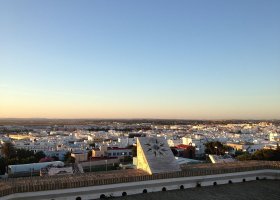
{"x": 140, "y": 59}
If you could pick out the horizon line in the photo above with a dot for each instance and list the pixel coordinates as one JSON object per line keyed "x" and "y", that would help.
{"x": 50, "y": 118}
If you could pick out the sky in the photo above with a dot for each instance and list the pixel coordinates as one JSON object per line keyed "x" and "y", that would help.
{"x": 184, "y": 59}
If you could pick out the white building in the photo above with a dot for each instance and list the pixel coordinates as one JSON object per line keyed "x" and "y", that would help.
{"x": 174, "y": 142}
{"x": 126, "y": 141}
{"x": 273, "y": 137}
{"x": 197, "y": 142}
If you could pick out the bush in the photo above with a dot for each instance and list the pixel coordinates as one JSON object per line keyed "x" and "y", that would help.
{"x": 243, "y": 157}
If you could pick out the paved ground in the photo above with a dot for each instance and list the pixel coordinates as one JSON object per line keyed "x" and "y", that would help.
{"x": 255, "y": 190}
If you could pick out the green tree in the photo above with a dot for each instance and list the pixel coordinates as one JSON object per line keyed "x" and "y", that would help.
{"x": 31, "y": 159}
{"x": 89, "y": 154}
{"x": 2, "y": 165}
{"x": 262, "y": 154}
{"x": 266, "y": 154}
{"x": 68, "y": 158}
{"x": 23, "y": 153}
{"x": 12, "y": 161}
{"x": 243, "y": 157}
{"x": 71, "y": 160}
{"x": 39, "y": 155}
{"x": 55, "y": 158}
{"x": 239, "y": 153}
{"x": 92, "y": 145}
{"x": 8, "y": 150}
{"x": 127, "y": 159}
{"x": 216, "y": 147}
{"x": 134, "y": 151}
{"x": 277, "y": 153}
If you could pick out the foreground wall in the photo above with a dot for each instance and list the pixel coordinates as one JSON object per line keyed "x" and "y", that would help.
{"x": 122, "y": 189}
{"x": 75, "y": 182}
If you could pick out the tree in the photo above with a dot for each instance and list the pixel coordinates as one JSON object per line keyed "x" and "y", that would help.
{"x": 8, "y": 150}
{"x": 89, "y": 154}
{"x": 2, "y": 165}
{"x": 127, "y": 159}
{"x": 266, "y": 154}
{"x": 68, "y": 158}
{"x": 12, "y": 161}
{"x": 39, "y": 155}
{"x": 216, "y": 148}
{"x": 71, "y": 160}
{"x": 23, "y": 153}
{"x": 134, "y": 151}
{"x": 174, "y": 151}
{"x": 262, "y": 154}
{"x": 239, "y": 153}
{"x": 46, "y": 159}
{"x": 28, "y": 160}
{"x": 243, "y": 157}
{"x": 55, "y": 158}
{"x": 92, "y": 145}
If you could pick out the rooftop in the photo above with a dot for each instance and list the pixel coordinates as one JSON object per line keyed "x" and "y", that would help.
{"x": 257, "y": 190}
{"x": 15, "y": 185}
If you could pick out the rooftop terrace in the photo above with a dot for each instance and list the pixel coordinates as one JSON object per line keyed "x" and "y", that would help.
{"x": 18, "y": 185}
{"x": 257, "y": 190}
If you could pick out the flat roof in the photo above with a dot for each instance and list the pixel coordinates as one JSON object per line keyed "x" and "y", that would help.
{"x": 8, "y": 186}
{"x": 259, "y": 190}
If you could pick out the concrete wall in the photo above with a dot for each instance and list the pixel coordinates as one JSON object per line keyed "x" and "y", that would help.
{"x": 94, "y": 192}
{"x": 23, "y": 186}
{"x": 79, "y": 157}
{"x": 100, "y": 162}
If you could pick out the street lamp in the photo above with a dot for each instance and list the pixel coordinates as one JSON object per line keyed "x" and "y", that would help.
{"x": 106, "y": 161}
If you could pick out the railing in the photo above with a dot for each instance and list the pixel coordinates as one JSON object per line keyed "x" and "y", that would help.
{"x": 18, "y": 185}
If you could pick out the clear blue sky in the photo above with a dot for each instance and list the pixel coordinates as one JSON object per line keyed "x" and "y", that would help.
{"x": 187, "y": 59}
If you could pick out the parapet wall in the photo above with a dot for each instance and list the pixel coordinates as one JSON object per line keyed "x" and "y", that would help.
{"x": 123, "y": 189}
{"x": 35, "y": 184}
